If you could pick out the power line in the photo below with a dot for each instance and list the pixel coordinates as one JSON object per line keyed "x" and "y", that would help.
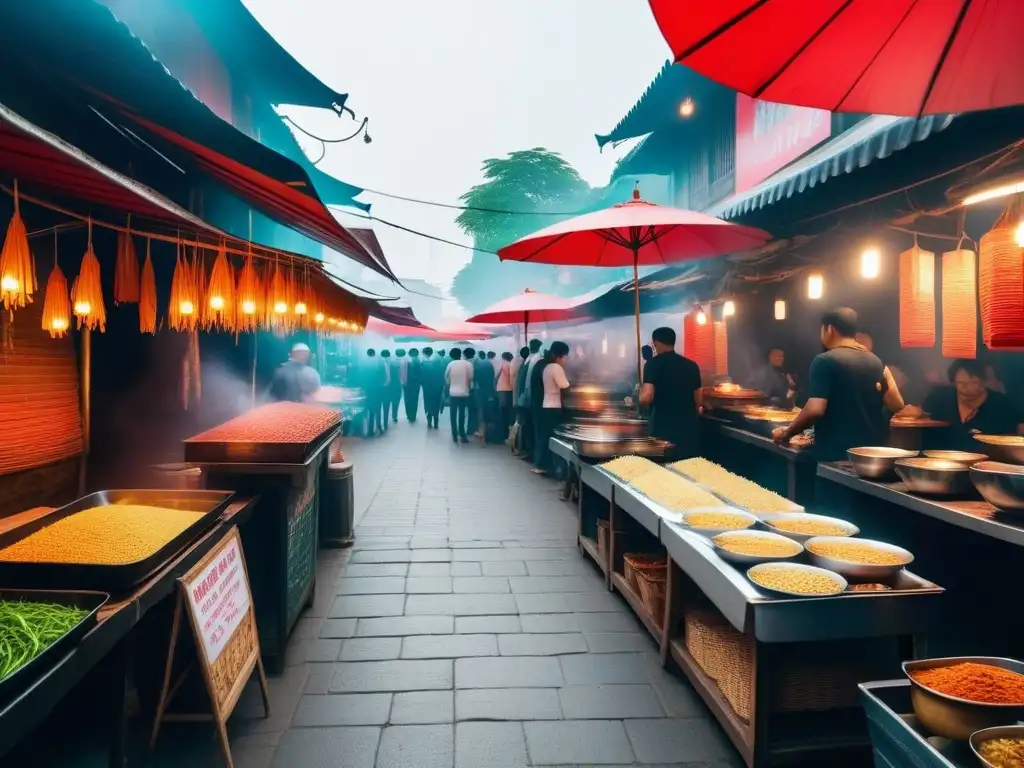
{"x": 476, "y": 208}
{"x": 416, "y": 232}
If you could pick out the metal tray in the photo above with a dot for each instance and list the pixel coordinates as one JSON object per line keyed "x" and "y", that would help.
{"x": 17, "y": 683}
{"x": 649, "y": 447}
{"x": 112, "y": 578}
{"x": 250, "y": 452}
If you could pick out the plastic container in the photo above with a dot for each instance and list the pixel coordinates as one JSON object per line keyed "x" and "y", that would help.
{"x": 337, "y": 506}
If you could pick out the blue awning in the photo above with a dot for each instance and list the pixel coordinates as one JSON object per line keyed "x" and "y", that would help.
{"x": 875, "y": 138}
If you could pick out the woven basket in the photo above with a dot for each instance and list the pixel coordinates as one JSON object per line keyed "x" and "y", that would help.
{"x": 637, "y": 561}
{"x": 652, "y": 582}
{"x": 602, "y": 538}
{"x": 726, "y": 656}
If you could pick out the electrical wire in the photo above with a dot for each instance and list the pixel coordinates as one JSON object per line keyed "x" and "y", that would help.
{"x": 475, "y": 208}
{"x": 416, "y": 232}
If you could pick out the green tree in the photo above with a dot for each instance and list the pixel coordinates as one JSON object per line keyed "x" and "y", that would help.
{"x": 525, "y": 182}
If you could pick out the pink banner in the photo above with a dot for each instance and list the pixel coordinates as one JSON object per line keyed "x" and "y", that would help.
{"x": 769, "y": 136}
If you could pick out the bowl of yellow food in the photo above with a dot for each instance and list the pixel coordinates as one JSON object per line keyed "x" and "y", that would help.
{"x": 752, "y": 547}
{"x": 801, "y": 526}
{"x": 796, "y": 580}
{"x": 999, "y": 747}
{"x": 711, "y": 521}
{"x": 858, "y": 559}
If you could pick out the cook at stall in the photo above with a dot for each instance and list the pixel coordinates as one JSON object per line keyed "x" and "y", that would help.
{"x": 296, "y": 380}
{"x": 970, "y": 407}
{"x": 774, "y": 380}
{"x": 672, "y": 391}
{"x": 849, "y": 391}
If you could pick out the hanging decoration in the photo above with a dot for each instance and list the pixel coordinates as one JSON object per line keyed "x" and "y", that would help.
{"x": 17, "y": 269}
{"x": 147, "y": 295}
{"x": 182, "y": 312}
{"x": 248, "y": 297}
{"x": 720, "y": 344}
{"x": 699, "y": 340}
{"x": 278, "y": 301}
{"x": 220, "y": 293}
{"x": 56, "y": 305}
{"x": 1001, "y": 281}
{"x": 126, "y": 268}
{"x": 959, "y": 304}
{"x": 87, "y": 291}
{"x": 917, "y": 298}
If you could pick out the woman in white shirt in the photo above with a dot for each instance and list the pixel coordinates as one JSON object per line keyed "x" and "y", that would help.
{"x": 549, "y": 415}
{"x": 458, "y": 376}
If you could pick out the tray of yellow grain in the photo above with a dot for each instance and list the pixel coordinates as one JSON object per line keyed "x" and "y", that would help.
{"x": 108, "y": 540}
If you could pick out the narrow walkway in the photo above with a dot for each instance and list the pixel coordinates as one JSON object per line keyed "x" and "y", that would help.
{"x": 466, "y": 630}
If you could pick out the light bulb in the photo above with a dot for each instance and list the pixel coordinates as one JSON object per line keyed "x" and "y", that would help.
{"x": 319, "y": 317}
{"x": 9, "y": 283}
{"x": 815, "y": 286}
{"x": 186, "y": 307}
{"x": 280, "y": 307}
{"x": 332, "y": 321}
{"x": 82, "y": 308}
{"x": 217, "y": 302}
{"x": 729, "y": 309}
{"x": 702, "y": 319}
{"x": 249, "y": 307}
{"x": 687, "y": 107}
{"x": 300, "y": 308}
{"x": 1020, "y": 235}
{"x": 58, "y": 324}
{"x": 780, "y": 309}
{"x": 871, "y": 264}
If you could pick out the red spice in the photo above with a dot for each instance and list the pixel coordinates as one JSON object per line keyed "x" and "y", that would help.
{"x": 274, "y": 423}
{"x": 982, "y": 683}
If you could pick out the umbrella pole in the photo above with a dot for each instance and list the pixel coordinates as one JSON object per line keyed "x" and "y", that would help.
{"x": 636, "y": 310}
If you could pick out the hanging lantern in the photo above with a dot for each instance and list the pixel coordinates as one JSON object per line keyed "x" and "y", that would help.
{"x": 182, "y": 312}
{"x": 278, "y": 302}
{"x": 126, "y": 269}
{"x": 780, "y": 309}
{"x": 815, "y": 286}
{"x": 720, "y": 344}
{"x": 699, "y": 340}
{"x": 220, "y": 293}
{"x": 729, "y": 308}
{"x": 56, "y": 306}
{"x": 87, "y": 292}
{"x": 870, "y": 263}
{"x": 17, "y": 270}
{"x": 1001, "y": 281}
{"x": 248, "y": 297}
{"x": 917, "y": 298}
{"x": 147, "y": 296}
{"x": 959, "y": 304}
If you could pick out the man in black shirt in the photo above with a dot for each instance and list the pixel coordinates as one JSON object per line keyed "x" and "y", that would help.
{"x": 672, "y": 386}
{"x": 773, "y": 380}
{"x": 846, "y": 391}
{"x": 969, "y": 407}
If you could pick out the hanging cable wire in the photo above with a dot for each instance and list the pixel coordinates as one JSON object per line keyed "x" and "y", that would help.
{"x": 416, "y": 232}
{"x": 475, "y": 208}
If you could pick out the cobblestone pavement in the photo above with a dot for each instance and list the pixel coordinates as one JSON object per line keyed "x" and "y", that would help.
{"x": 465, "y": 630}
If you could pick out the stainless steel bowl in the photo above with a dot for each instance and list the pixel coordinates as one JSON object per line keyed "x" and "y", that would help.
{"x": 859, "y": 571}
{"x": 999, "y": 732}
{"x": 725, "y": 510}
{"x": 769, "y": 523}
{"x": 953, "y": 717}
{"x": 875, "y": 463}
{"x": 961, "y": 457}
{"x": 936, "y": 477}
{"x": 841, "y": 583}
{"x": 741, "y": 559}
{"x": 1002, "y": 485}
{"x": 1008, "y": 448}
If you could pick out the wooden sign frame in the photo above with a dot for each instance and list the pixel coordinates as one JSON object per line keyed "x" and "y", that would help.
{"x": 227, "y": 676}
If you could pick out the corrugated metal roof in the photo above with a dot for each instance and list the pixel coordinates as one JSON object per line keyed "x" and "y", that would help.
{"x": 875, "y": 138}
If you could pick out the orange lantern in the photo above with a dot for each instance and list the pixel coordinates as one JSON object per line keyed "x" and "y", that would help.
{"x": 917, "y": 298}
{"x": 959, "y": 304}
{"x": 721, "y": 348}
{"x": 147, "y": 295}
{"x": 1001, "y": 282}
{"x": 699, "y": 340}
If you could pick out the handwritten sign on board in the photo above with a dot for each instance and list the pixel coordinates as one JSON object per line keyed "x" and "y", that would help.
{"x": 218, "y": 597}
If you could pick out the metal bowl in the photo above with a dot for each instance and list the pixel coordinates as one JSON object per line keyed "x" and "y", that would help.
{"x": 876, "y": 462}
{"x": 999, "y": 732}
{"x": 960, "y": 457}
{"x": 1008, "y": 448}
{"x": 937, "y": 477}
{"x": 953, "y": 717}
{"x": 768, "y": 520}
{"x": 859, "y": 571}
{"x": 725, "y": 510}
{"x": 841, "y": 583}
{"x": 741, "y": 559}
{"x": 1002, "y": 485}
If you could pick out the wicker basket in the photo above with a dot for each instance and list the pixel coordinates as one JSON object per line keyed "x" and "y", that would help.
{"x": 638, "y": 561}
{"x": 726, "y": 656}
{"x": 602, "y": 538}
{"x": 652, "y": 582}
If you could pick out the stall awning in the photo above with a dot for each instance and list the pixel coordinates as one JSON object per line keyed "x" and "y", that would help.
{"x": 872, "y": 139}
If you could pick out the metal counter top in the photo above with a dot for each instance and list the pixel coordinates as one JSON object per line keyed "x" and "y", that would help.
{"x": 563, "y": 450}
{"x": 978, "y": 516}
{"x": 752, "y": 438}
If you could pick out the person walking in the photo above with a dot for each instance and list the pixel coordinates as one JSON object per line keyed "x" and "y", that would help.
{"x": 458, "y": 377}
{"x": 523, "y": 387}
{"x": 484, "y": 379}
{"x": 473, "y": 414}
{"x": 547, "y": 382}
{"x": 397, "y": 383}
{"x": 392, "y": 377}
{"x": 374, "y": 382}
{"x": 504, "y": 390}
{"x": 520, "y": 414}
{"x": 432, "y": 377}
{"x": 413, "y": 381}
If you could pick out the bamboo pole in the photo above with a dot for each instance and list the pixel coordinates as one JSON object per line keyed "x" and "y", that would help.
{"x": 85, "y": 384}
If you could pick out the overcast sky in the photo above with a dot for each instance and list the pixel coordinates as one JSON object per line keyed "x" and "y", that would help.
{"x": 448, "y": 83}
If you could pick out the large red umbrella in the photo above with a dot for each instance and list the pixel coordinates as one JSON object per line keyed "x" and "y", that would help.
{"x": 636, "y": 233}
{"x": 889, "y": 57}
{"x": 526, "y": 307}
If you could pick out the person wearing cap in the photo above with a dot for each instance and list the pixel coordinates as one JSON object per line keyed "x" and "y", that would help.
{"x": 296, "y": 380}
{"x": 411, "y": 386}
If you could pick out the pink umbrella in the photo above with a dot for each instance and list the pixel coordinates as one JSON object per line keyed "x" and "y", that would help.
{"x": 633, "y": 233}
{"x": 455, "y": 331}
{"x": 526, "y": 307}
{"x": 384, "y": 328}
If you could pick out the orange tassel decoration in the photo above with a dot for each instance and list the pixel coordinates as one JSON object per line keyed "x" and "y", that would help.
{"x": 56, "y": 305}
{"x": 87, "y": 292}
{"x": 183, "y": 312}
{"x": 278, "y": 301}
{"x": 17, "y": 270}
{"x": 220, "y": 294}
{"x": 147, "y": 296}
{"x": 126, "y": 269}
{"x": 248, "y": 297}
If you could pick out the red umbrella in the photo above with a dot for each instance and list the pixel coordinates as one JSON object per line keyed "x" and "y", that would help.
{"x": 634, "y": 233}
{"x": 889, "y": 57}
{"x": 526, "y": 307}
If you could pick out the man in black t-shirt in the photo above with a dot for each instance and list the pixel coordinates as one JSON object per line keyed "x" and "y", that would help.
{"x": 970, "y": 407}
{"x": 672, "y": 386}
{"x": 848, "y": 392}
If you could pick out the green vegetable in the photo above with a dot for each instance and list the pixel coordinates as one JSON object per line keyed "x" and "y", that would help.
{"x": 28, "y": 629}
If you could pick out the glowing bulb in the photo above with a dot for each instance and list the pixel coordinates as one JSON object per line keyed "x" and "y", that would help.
{"x": 217, "y": 302}
{"x": 686, "y": 108}
{"x": 249, "y": 307}
{"x": 780, "y": 309}
{"x": 280, "y": 307}
{"x": 702, "y": 319}
{"x": 729, "y": 309}
{"x": 9, "y": 283}
{"x": 58, "y": 324}
{"x": 815, "y": 286}
{"x": 82, "y": 308}
{"x": 186, "y": 307}
{"x": 1020, "y": 235}
{"x": 995, "y": 192}
{"x": 319, "y": 317}
{"x": 871, "y": 264}
{"x": 300, "y": 308}
{"x": 604, "y": 346}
